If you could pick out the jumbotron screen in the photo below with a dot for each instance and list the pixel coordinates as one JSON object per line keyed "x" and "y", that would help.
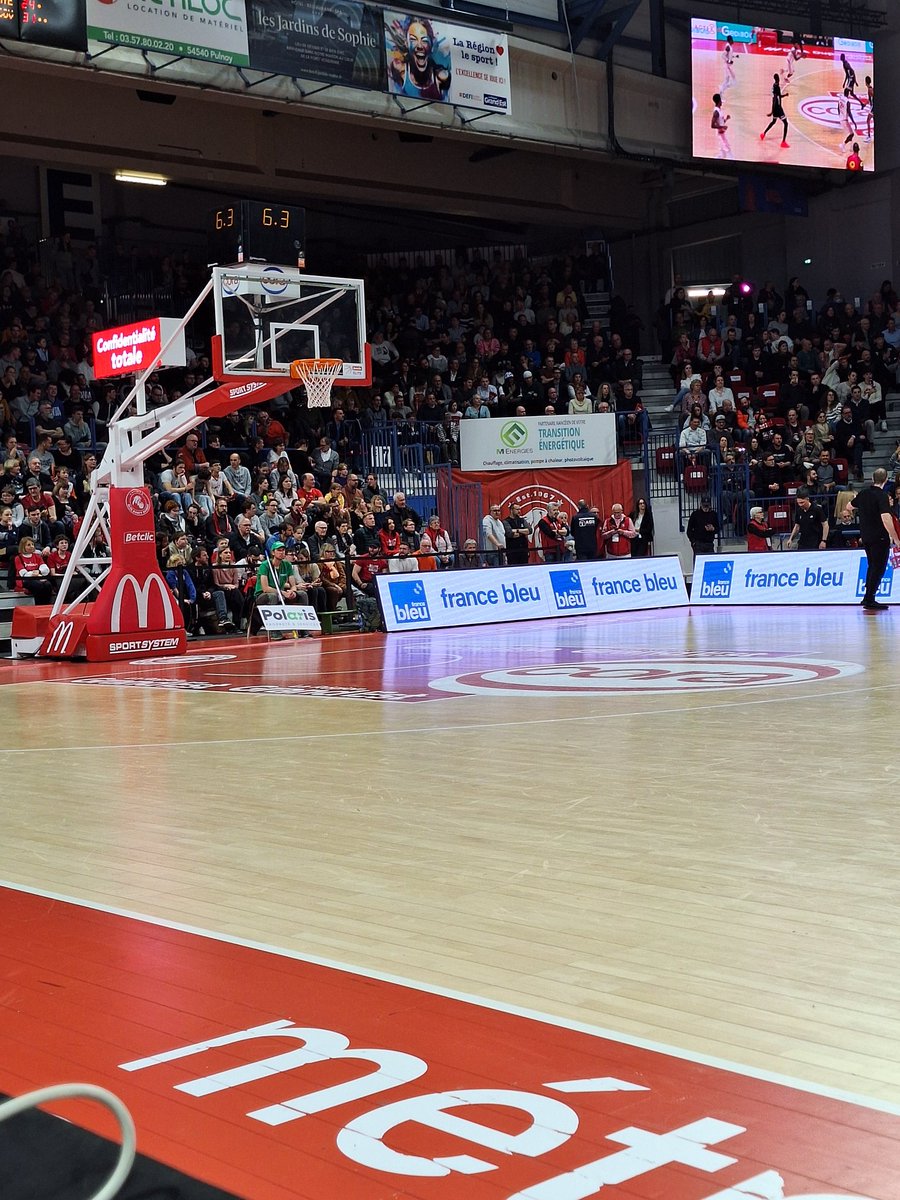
{"x": 772, "y": 96}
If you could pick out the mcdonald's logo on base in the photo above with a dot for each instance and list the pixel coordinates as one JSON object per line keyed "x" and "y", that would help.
{"x": 135, "y": 613}
{"x": 65, "y": 635}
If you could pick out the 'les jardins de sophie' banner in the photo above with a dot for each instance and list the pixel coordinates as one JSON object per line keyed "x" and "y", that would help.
{"x": 211, "y": 30}
{"x": 311, "y": 39}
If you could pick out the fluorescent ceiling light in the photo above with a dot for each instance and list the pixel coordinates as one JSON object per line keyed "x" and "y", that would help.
{"x": 701, "y": 292}
{"x": 145, "y": 177}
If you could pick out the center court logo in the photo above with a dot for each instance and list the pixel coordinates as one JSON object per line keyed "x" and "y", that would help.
{"x": 884, "y": 588}
{"x": 567, "y": 590}
{"x": 716, "y": 579}
{"x": 514, "y": 435}
{"x": 409, "y": 601}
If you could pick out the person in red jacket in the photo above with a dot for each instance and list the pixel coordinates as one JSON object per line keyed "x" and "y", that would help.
{"x": 32, "y": 572}
{"x": 618, "y": 533}
{"x": 389, "y": 538}
{"x": 758, "y": 532}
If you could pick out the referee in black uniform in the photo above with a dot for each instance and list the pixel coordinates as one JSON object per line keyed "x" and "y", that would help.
{"x": 877, "y": 532}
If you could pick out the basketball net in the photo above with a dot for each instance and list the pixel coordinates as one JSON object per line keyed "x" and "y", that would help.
{"x": 318, "y": 376}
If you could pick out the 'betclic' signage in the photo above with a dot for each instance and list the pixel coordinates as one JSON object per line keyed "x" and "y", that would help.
{"x": 129, "y": 349}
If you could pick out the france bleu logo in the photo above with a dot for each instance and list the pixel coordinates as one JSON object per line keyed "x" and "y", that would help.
{"x": 567, "y": 590}
{"x": 409, "y": 601}
{"x": 715, "y": 583}
{"x": 884, "y": 588}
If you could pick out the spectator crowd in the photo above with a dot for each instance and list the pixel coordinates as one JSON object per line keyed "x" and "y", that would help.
{"x": 766, "y": 381}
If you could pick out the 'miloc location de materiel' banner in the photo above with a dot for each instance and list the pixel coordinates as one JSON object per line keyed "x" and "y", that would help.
{"x": 526, "y": 443}
{"x": 801, "y": 577}
{"x": 212, "y": 30}
{"x": 314, "y": 39}
{"x": 430, "y": 59}
{"x": 441, "y": 599}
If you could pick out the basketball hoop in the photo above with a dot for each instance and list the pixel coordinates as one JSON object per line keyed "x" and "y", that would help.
{"x": 318, "y": 376}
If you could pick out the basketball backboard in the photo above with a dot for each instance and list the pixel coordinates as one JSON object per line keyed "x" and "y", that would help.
{"x": 268, "y": 316}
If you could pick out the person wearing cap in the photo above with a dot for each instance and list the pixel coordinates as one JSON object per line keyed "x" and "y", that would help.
{"x": 703, "y": 528}
{"x": 532, "y": 393}
{"x": 276, "y": 581}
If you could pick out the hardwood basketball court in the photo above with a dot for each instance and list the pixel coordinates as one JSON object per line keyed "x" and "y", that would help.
{"x": 675, "y": 829}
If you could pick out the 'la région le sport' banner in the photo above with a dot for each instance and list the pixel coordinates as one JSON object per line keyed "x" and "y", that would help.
{"x": 428, "y": 59}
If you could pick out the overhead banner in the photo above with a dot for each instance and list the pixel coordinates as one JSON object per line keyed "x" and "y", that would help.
{"x": 212, "y": 30}
{"x": 335, "y": 43}
{"x": 430, "y": 59}
{"x": 442, "y": 599}
{"x": 530, "y": 443}
{"x": 129, "y": 349}
{"x": 801, "y": 577}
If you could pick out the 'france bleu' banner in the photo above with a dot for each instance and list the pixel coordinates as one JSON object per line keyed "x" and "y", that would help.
{"x": 440, "y": 599}
{"x": 802, "y": 577}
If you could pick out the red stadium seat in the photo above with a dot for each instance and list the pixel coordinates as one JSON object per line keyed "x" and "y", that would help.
{"x": 841, "y": 471}
{"x": 696, "y": 478}
{"x": 769, "y": 395}
{"x": 665, "y": 460}
{"x": 743, "y": 393}
{"x": 779, "y": 517}
{"x": 736, "y": 379}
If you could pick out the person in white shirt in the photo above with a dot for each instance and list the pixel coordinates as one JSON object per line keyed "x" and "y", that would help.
{"x": 383, "y": 352}
{"x": 692, "y": 441}
{"x": 871, "y": 391}
{"x": 719, "y": 123}
{"x": 494, "y": 536}
{"x": 718, "y": 395}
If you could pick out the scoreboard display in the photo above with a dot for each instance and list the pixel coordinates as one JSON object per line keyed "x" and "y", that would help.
{"x": 261, "y": 231}
{"x": 59, "y": 23}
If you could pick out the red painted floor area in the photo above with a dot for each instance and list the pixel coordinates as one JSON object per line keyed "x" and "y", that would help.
{"x": 365, "y": 1089}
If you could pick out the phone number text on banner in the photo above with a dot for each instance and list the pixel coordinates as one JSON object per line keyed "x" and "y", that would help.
{"x": 437, "y": 60}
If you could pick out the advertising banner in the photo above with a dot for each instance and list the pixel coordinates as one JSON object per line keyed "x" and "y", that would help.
{"x": 801, "y": 577}
{"x": 135, "y": 613}
{"x": 128, "y": 349}
{"x": 528, "y": 443}
{"x": 212, "y": 30}
{"x": 288, "y": 618}
{"x": 430, "y": 59}
{"x": 335, "y": 42}
{"x": 534, "y": 490}
{"x": 442, "y": 599}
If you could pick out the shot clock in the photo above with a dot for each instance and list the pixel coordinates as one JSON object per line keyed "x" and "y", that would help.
{"x": 60, "y": 23}
{"x": 257, "y": 231}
